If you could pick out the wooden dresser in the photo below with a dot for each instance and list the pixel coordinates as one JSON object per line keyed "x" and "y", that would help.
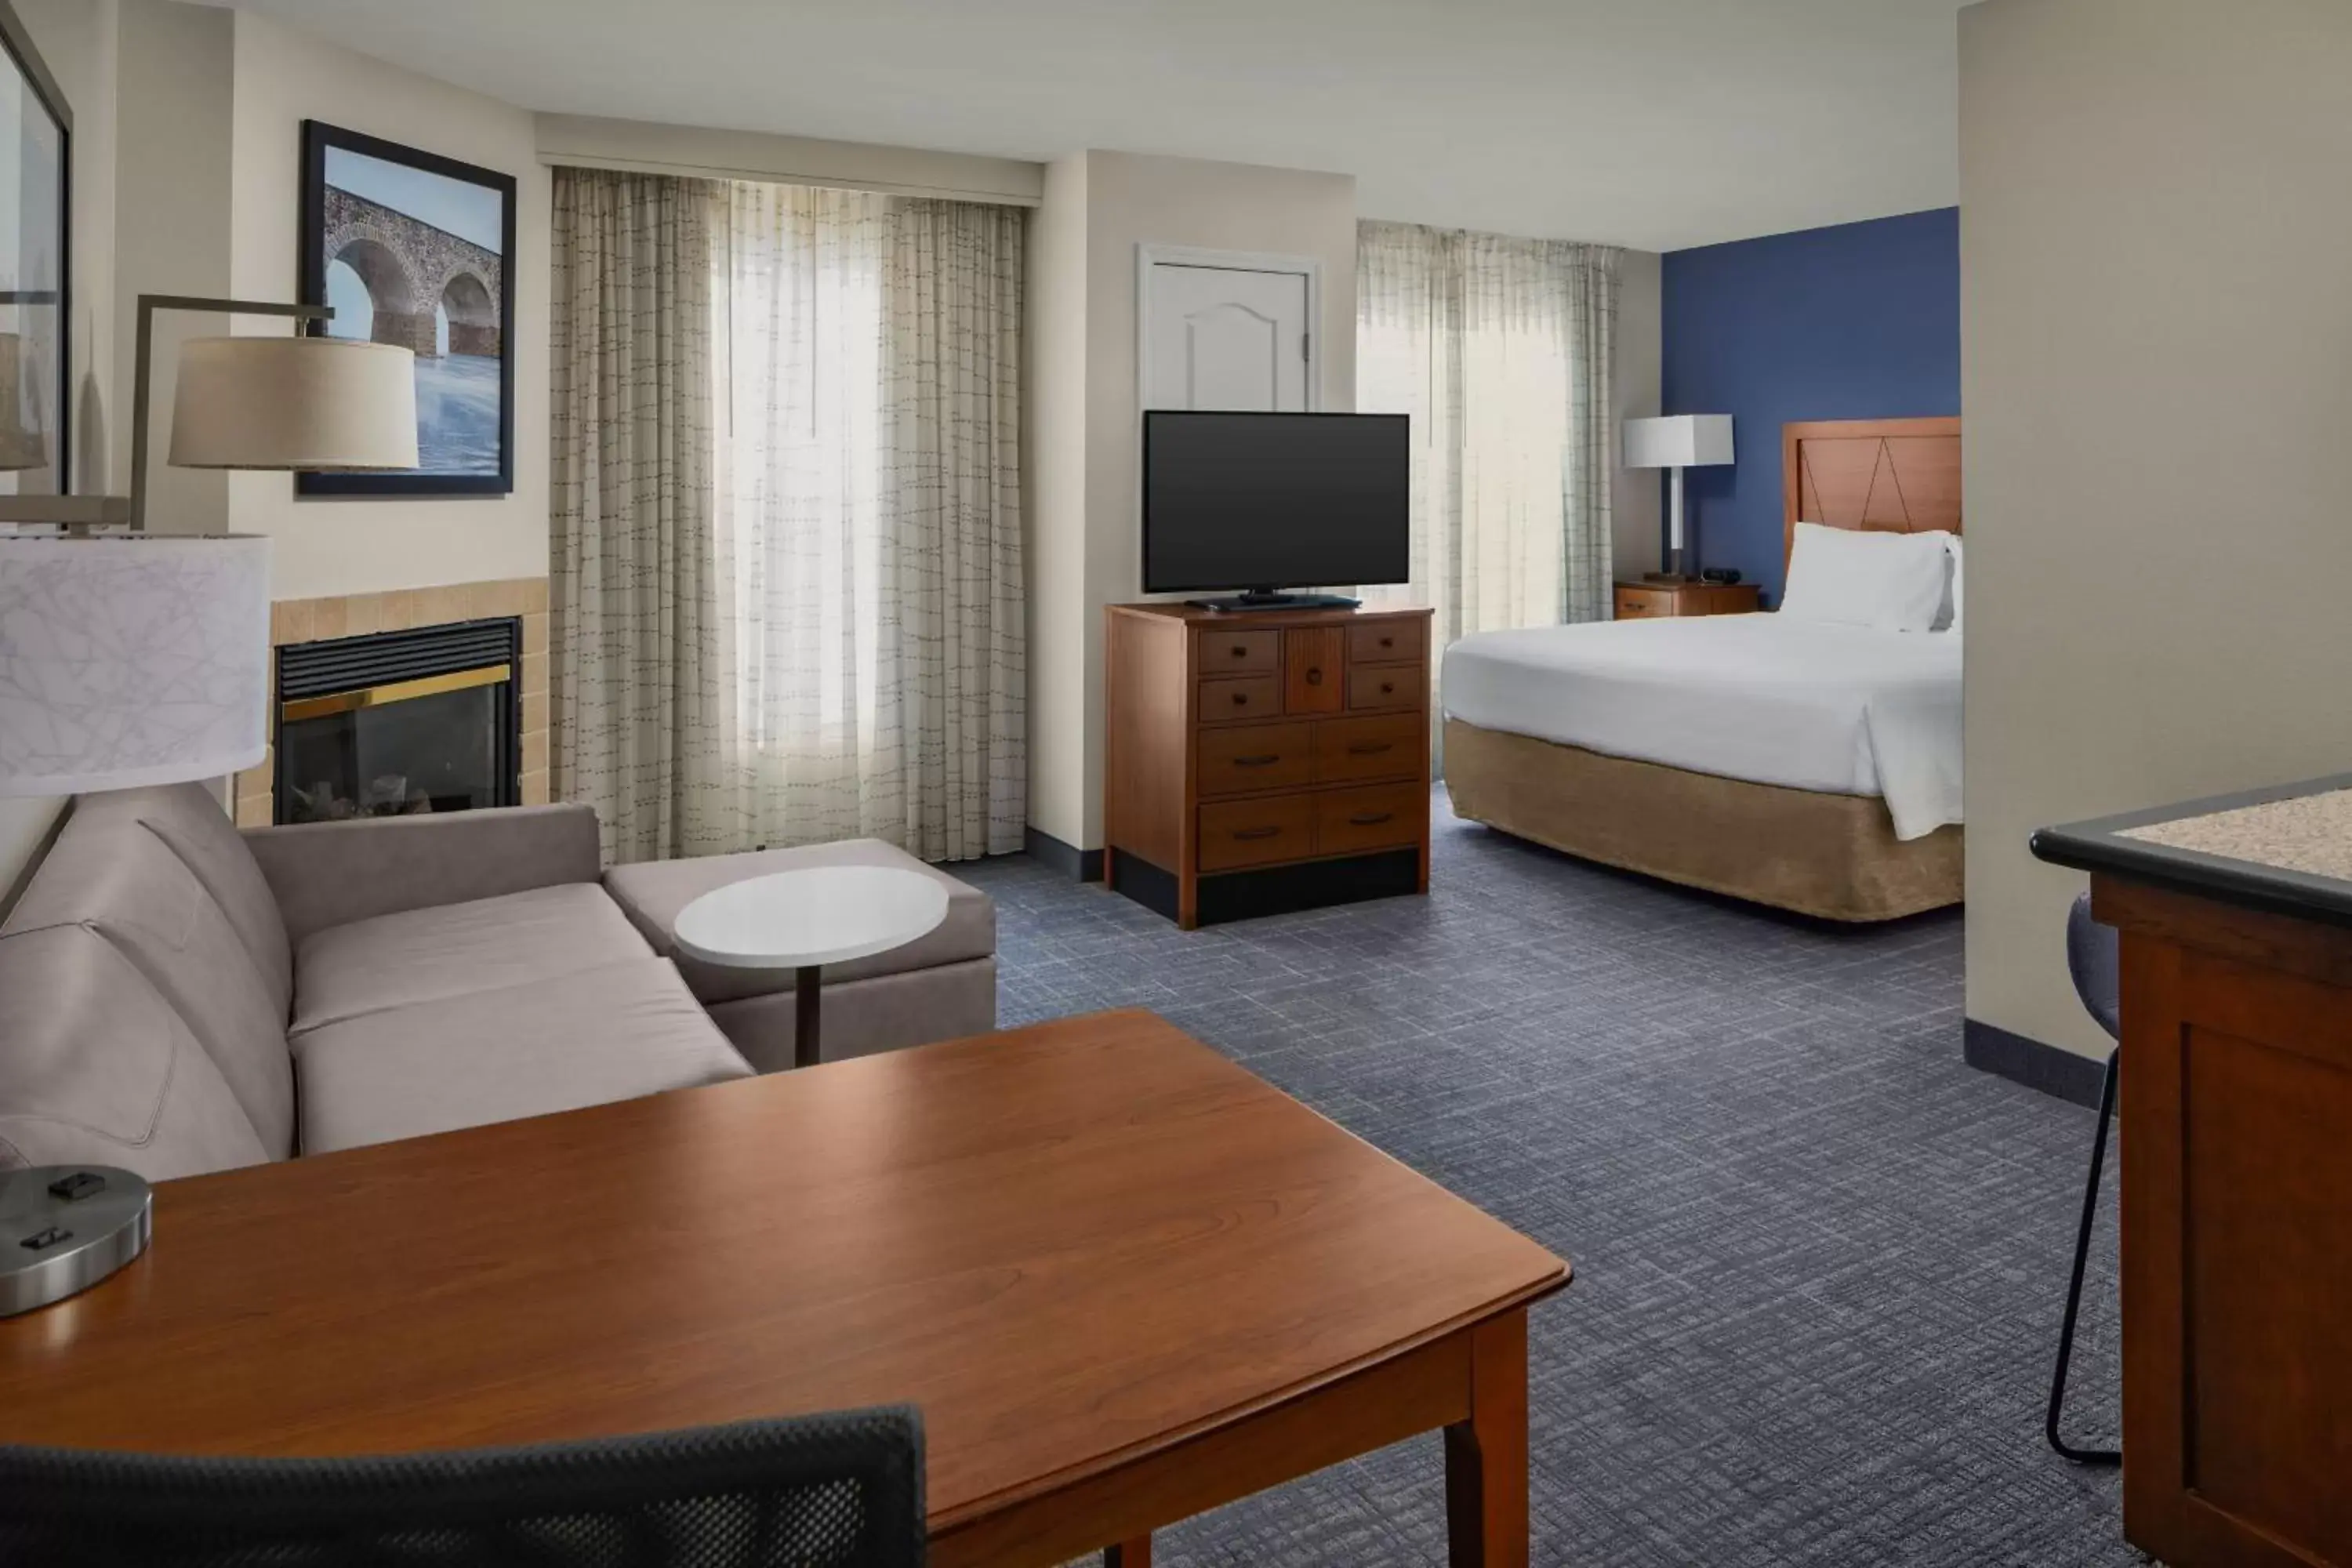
{"x": 1265, "y": 761}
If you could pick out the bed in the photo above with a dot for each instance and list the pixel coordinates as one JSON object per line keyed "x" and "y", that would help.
{"x": 1808, "y": 766}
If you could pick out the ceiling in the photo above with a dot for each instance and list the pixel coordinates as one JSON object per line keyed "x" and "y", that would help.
{"x": 1655, "y": 123}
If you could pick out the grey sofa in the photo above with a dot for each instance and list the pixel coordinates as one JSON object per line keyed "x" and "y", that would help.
{"x": 177, "y": 997}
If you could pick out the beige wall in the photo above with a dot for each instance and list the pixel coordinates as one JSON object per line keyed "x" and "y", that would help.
{"x": 175, "y": 81}
{"x": 1086, "y": 541}
{"x": 2157, "y": 326}
{"x": 353, "y": 546}
{"x": 1637, "y": 379}
{"x": 1053, "y": 477}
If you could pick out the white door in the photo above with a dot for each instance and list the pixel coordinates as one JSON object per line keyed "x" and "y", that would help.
{"x": 1226, "y": 337}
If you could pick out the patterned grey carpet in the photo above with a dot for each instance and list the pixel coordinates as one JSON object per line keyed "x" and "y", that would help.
{"x": 1818, "y": 1260}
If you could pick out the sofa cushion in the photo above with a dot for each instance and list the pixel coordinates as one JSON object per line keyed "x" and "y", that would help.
{"x": 486, "y": 944}
{"x": 653, "y": 893}
{"x": 623, "y": 1029}
{"x": 97, "y": 1069}
{"x": 117, "y": 877}
{"x": 193, "y": 825}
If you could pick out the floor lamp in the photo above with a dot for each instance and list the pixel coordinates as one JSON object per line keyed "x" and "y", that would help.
{"x": 134, "y": 658}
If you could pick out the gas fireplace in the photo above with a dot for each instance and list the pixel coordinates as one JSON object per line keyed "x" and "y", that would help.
{"x": 399, "y": 722}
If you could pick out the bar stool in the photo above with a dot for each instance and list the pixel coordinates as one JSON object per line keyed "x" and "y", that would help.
{"x": 2094, "y": 959}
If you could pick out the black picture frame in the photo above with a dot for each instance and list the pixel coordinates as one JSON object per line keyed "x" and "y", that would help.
{"x": 318, "y": 138}
{"x": 18, "y": 45}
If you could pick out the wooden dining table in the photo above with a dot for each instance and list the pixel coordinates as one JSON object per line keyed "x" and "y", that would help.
{"x": 1124, "y": 1279}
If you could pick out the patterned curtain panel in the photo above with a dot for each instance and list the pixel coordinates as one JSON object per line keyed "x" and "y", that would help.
{"x": 639, "y": 658}
{"x": 1501, "y": 350}
{"x": 870, "y": 516}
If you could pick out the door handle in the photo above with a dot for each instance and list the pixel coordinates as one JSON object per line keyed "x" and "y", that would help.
{"x": 1265, "y": 760}
{"x": 1370, "y": 819}
{"x": 1256, "y": 832}
{"x": 1315, "y": 676}
{"x": 1370, "y": 748}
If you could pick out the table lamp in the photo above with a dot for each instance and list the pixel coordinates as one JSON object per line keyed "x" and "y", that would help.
{"x": 130, "y": 659}
{"x": 1676, "y": 442}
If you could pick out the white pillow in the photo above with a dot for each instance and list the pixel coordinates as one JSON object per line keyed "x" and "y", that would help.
{"x": 1889, "y": 581}
{"x": 1959, "y": 561}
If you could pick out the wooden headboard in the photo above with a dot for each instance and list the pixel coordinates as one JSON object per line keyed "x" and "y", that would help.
{"x": 1894, "y": 476}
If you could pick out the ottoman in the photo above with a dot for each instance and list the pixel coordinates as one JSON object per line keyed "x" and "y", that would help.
{"x": 940, "y": 986}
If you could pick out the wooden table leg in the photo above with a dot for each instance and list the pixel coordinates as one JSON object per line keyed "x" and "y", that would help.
{"x": 1136, "y": 1553}
{"x": 805, "y": 999}
{"x": 1486, "y": 1456}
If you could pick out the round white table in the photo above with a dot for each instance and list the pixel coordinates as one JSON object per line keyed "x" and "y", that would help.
{"x": 805, "y": 919}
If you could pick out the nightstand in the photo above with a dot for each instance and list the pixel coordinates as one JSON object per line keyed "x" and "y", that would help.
{"x": 1645, "y": 601}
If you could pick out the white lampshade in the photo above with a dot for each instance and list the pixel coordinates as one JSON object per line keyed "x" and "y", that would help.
{"x": 132, "y": 659}
{"x": 294, "y": 403}
{"x": 1678, "y": 441}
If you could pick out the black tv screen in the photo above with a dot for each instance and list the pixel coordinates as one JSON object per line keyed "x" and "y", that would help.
{"x": 1275, "y": 500}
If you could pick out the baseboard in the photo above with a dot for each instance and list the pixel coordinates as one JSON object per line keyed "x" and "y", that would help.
{"x": 1078, "y": 865}
{"x": 2068, "y": 1075}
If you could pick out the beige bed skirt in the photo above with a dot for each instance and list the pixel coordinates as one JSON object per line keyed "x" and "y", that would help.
{"x": 1830, "y": 855}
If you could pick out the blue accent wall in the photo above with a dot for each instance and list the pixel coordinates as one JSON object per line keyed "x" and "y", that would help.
{"x": 1858, "y": 322}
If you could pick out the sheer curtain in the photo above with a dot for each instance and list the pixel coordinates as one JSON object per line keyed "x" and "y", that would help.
{"x": 864, "y": 592}
{"x": 870, "y": 511}
{"x": 1501, "y": 350}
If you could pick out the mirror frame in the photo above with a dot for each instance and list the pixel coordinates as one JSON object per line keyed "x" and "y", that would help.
{"x": 18, "y": 44}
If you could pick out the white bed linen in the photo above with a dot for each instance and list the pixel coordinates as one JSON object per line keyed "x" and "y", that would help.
{"x": 1844, "y": 710}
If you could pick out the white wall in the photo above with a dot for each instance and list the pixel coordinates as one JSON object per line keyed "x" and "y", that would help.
{"x": 1637, "y": 380}
{"x": 364, "y": 545}
{"x": 2156, "y": 348}
{"x": 77, "y": 40}
{"x": 1086, "y": 544}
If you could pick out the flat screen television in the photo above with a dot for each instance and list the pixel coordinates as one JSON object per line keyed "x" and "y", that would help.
{"x": 1266, "y": 501}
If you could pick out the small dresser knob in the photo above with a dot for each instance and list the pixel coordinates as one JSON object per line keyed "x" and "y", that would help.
{"x": 1314, "y": 678}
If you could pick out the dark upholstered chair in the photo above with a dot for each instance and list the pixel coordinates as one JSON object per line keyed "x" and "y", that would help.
{"x": 840, "y": 1490}
{"x": 2094, "y": 957}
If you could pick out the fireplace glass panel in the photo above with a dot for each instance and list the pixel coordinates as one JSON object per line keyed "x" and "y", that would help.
{"x": 447, "y": 751}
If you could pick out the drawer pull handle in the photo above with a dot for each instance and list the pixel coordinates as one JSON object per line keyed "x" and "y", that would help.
{"x": 1256, "y": 832}
{"x": 1239, "y": 652}
{"x": 1265, "y": 760}
{"x": 1314, "y": 678}
{"x": 1388, "y": 642}
{"x": 1241, "y": 698}
{"x": 1369, "y": 818}
{"x": 1387, "y": 688}
{"x": 1370, "y": 748}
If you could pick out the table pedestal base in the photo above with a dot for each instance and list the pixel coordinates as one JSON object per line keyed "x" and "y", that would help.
{"x": 804, "y": 1011}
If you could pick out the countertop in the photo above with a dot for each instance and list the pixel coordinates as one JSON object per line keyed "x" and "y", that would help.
{"x": 2286, "y": 849}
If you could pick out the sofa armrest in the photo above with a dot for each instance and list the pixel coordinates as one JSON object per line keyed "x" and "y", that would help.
{"x": 332, "y": 873}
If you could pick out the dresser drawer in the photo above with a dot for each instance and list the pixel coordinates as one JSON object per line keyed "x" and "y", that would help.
{"x": 1374, "y": 686}
{"x": 1632, "y": 604}
{"x": 1388, "y": 642}
{"x": 1385, "y": 747}
{"x": 1240, "y": 653}
{"x": 1240, "y": 696}
{"x": 1384, "y": 817}
{"x": 1237, "y": 833}
{"x": 1255, "y": 756}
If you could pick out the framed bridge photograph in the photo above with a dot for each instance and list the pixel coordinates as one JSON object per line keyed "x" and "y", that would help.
{"x": 411, "y": 248}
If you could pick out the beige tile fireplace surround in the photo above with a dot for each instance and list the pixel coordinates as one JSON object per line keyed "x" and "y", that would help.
{"x": 294, "y": 621}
